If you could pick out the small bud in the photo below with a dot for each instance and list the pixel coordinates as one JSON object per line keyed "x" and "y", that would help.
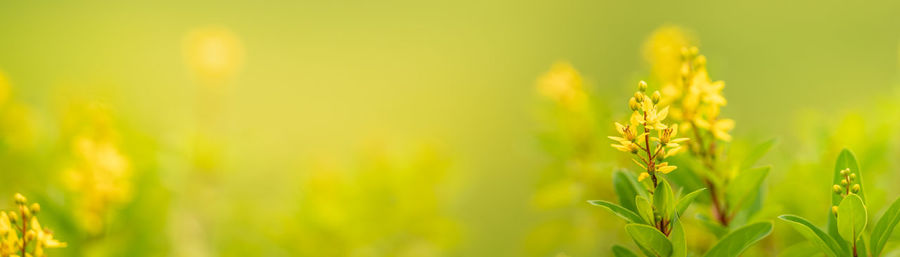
{"x": 685, "y": 53}
{"x": 35, "y": 208}
{"x": 837, "y": 189}
{"x": 633, "y": 104}
{"x": 844, "y": 182}
{"x": 642, "y": 86}
{"x": 694, "y": 50}
{"x": 20, "y": 199}
{"x": 29, "y": 235}
{"x": 638, "y": 96}
{"x": 655, "y": 97}
{"x": 700, "y": 61}
{"x": 834, "y": 209}
{"x": 13, "y": 216}
{"x": 844, "y": 172}
{"x": 855, "y": 188}
{"x": 853, "y": 176}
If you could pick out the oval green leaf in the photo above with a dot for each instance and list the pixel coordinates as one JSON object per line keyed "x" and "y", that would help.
{"x": 734, "y": 243}
{"x": 644, "y": 209}
{"x": 851, "y": 218}
{"x": 650, "y": 240}
{"x": 619, "y": 251}
{"x": 663, "y": 200}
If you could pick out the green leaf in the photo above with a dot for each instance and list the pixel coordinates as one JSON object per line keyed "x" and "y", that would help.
{"x": 663, "y": 200}
{"x": 757, "y": 153}
{"x": 819, "y": 238}
{"x": 624, "y": 190}
{"x": 650, "y": 240}
{"x": 851, "y": 218}
{"x": 712, "y": 226}
{"x": 845, "y": 160}
{"x": 733, "y": 244}
{"x": 619, "y": 251}
{"x": 676, "y": 236}
{"x": 805, "y": 249}
{"x": 885, "y": 227}
{"x": 620, "y": 211}
{"x": 644, "y": 209}
{"x": 742, "y": 190}
{"x": 686, "y": 201}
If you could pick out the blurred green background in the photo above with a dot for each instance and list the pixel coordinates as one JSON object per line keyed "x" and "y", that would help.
{"x": 401, "y": 128}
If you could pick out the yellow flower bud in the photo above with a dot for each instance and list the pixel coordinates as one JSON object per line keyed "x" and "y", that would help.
{"x": 853, "y": 176}
{"x": 639, "y": 96}
{"x": 834, "y": 210}
{"x": 35, "y": 208}
{"x": 844, "y": 182}
{"x": 855, "y": 188}
{"x": 844, "y": 172}
{"x": 655, "y": 97}
{"x": 837, "y": 189}
{"x": 642, "y": 86}
{"x": 20, "y": 199}
{"x": 643, "y": 176}
{"x": 633, "y": 104}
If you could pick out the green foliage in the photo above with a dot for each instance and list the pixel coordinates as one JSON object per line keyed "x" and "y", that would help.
{"x": 649, "y": 240}
{"x": 686, "y": 201}
{"x": 885, "y": 227}
{"x": 851, "y": 218}
{"x": 733, "y": 244}
{"x": 626, "y": 188}
{"x": 620, "y": 211}
{"x": 742, "y": 190}
{"x": 619, "y": 251}
{"x": 644, "y": 209}
{"x": 677, "y": 237}
{"x": 663, "y": 200}
{"x": 757, "y": 153}
{"x": 809, "y": 231}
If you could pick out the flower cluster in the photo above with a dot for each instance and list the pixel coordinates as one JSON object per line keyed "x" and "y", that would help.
{"x": 21, "y": 234}
{"x": 648, "y": 152}
{"x": 563, "y": 85}
{"x": 697, "y": 101}
{"x": 847, "y": 186}
{"x": 99, "y": 174}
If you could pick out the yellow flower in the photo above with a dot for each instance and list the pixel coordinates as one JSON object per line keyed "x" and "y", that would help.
{"x": 626, "y": 146}
{"x": 645, "y": 116}
{"x": 665, "y": 168}
{"x": 563, "y": 84}
{"x": 644, "y": 175}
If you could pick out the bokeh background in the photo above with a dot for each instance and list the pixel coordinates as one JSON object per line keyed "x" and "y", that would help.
{"x": 407, "y": 128}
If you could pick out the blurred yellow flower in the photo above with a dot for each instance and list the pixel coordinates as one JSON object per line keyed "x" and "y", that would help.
{"x": 99, "y": 174}
{"x": 213, "y": 54}
{"x": 563, "y": 85}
